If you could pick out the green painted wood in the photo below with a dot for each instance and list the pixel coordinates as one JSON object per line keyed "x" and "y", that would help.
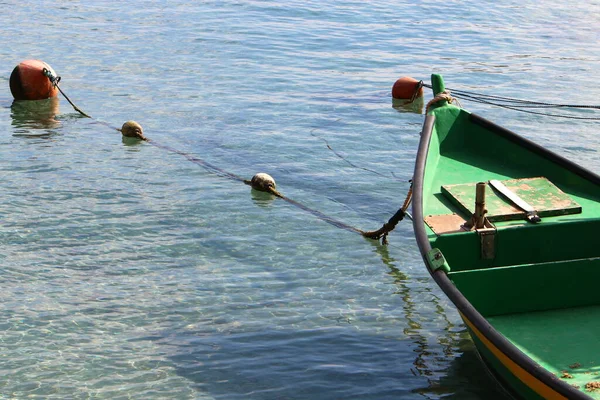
{"x": 516, "y": 385}
{"x": 547, "y": 199}
{"x": 531, "y": 287}
{"x": 564, "y": 342}
{"x": 437, "y": 83}
{"x": 523, "y": 243}
{"x": 461, "y": 152}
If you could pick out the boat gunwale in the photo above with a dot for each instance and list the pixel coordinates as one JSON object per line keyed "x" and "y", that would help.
{"x": 442, "y": 279}
{"x": 535, "y": 148}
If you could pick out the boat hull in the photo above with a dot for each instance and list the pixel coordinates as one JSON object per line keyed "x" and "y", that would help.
{"x": 514, "y": 379}
{"x": 522, "y": 376}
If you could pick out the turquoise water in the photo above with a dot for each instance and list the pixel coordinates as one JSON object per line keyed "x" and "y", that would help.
{"x": 130, "y": 272}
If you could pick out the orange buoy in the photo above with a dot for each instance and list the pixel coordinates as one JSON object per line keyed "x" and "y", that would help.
{"x": 29, "y": 81}
{"x": 407, "y": 88}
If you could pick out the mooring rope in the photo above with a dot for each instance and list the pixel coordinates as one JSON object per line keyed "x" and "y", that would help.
{"x": 443, "y": 96}
{"x": 346, "y": 160}
{"x": 55, "y": 80}
{"x": 318, "y": 214}
{"x": 520, "y": 104}
{"x": 206, "y": 165}
{"x": 330, "y": 220}
{"x": 389, "y": 226}
{"x": 381, "y": 233}
{"x": 223, "y": 173}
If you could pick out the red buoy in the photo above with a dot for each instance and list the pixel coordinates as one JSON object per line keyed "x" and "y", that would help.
{"x": 29, "y": 81}
{"x": 407, "y": 88}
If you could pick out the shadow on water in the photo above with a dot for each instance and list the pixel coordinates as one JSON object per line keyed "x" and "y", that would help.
{"x": 467, "y": 378}
{"x": 330, "y": 360}
{"x": 230, "y": 360}
{"x": 320, "y": 363}
{"x": 40, "y": 115}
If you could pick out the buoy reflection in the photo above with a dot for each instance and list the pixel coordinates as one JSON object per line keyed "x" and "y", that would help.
{"x": 34, "y": 114}
{"x": 404, "y": 106}
{"x": 262, "y": 199}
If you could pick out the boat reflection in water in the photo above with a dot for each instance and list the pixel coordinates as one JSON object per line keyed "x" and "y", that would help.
{"x": 449, "y": 363}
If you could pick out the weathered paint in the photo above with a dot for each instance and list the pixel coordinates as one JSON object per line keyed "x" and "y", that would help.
{"x": 547, "y": 199}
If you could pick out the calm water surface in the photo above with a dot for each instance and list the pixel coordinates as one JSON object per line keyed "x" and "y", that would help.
{"x": 131, "y": 272}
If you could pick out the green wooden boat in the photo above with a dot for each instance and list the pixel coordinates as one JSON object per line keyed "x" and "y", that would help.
{"x": 506, "y": 229}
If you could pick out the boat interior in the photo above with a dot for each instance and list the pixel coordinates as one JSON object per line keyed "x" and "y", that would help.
{"x": 535, "y": 282}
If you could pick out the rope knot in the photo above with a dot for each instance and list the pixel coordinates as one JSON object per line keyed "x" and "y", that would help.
{"x": 443, "y": 96}
{"x": 386, "y": 228}
{"x": 53, "y": 79}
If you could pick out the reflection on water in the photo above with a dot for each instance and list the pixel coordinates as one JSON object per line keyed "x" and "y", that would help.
{"x": 466, "y": 378}
{"x": 405, "y": 106}
{"x": 35, "y": 114}
{"x": 131, "y": 141}
{"x": 262, "y": 199}
{"x": 449, "y": 362}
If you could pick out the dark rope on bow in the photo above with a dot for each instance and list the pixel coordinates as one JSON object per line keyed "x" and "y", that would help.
{"x": 522, "y": 105}
{"x": 389, "y": 226}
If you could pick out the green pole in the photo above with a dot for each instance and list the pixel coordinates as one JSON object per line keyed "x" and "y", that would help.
{"x": 438, "y": 84}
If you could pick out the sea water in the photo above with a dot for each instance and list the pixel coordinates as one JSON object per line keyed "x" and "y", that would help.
{"x": 128, "y": 271}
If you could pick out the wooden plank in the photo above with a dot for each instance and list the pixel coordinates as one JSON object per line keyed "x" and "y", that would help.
{"x": 539, "y": 192}
{"x": 445, "y": 223}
